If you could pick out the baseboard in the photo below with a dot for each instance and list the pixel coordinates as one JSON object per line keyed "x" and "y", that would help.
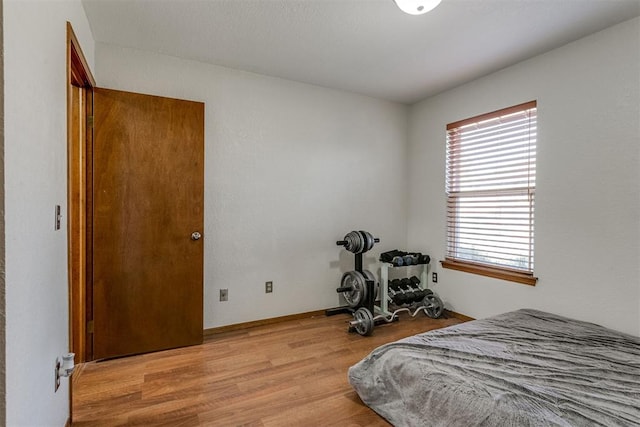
{"x": 271, "y": 321}
{"x": 459, "y": 316}
{"x": 262, "y": 322}
{"x": 68, "y": 423}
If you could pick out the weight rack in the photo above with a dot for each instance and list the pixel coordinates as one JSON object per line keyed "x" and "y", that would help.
{"x": 360, "y": 292}
{"x": 384, "y": 283}
{"x": 369, "y": 302}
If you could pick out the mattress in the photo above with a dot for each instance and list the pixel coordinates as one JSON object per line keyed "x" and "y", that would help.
{"x": 523, "y": 368}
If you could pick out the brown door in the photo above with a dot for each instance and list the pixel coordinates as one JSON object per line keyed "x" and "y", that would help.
{"x": 148, "y": 197}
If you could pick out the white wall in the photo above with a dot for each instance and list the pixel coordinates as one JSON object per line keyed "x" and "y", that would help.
{"x": 588, "y": 183}
{"x": 36, "y": 180}
{"x": 3, "y": 395}
{"x": 289, "y": 169}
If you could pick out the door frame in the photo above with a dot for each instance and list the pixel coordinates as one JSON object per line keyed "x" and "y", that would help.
{"x": 80, "y": 84}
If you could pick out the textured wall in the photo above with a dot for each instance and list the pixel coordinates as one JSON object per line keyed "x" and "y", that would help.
{"x": 3, "y": 399}
{"x": 587, "y": 233}
{"x": 35, "y": 149}
{"x": 289, "y": 169}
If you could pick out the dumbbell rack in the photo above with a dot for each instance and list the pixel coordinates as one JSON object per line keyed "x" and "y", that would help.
{"x": 384, "y": 283}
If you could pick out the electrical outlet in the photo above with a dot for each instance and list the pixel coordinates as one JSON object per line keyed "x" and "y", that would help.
{"x": 434, "y": 277}
{"x": 268, "y": 287}
{"x": 224, "y": 294}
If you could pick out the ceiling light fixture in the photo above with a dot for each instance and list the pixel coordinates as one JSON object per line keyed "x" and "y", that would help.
{"x": 417, "y": 7}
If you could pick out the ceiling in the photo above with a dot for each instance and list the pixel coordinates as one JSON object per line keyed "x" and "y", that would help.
{"x": 364, "y": 46}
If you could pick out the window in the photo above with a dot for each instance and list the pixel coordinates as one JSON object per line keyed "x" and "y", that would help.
{"x": 491, "y": 182}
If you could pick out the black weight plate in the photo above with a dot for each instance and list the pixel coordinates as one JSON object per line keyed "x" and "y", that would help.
{"x": 376, "y": 286}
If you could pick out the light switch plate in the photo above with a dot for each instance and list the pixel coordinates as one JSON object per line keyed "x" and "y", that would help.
{"x": 58, "y": 218}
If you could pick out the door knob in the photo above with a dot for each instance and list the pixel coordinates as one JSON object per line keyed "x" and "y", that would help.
{"x": 195, "y": 235}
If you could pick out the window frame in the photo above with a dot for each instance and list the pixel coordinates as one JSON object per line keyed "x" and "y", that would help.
{"x": 499, "y": 272}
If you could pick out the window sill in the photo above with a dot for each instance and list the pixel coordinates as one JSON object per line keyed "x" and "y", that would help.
{"x": 497, "y": 273}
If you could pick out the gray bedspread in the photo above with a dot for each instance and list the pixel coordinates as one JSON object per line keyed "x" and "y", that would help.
{"x": 523, "y": 368}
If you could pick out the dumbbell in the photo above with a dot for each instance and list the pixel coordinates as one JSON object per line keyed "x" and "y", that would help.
{"x": 419, "y": 258}
{"x": 413, "y": 290}
{"x": 416, "y": 258}
{"x": 411, "y": 259}
{"x": 396, "y": 293}
{"x": 392, "y": 294}
{"x": 424, "y": 259}
{"x": 419, "y": 292}
{"x": 409, "y": 291}
{"x": 394, "y": 257}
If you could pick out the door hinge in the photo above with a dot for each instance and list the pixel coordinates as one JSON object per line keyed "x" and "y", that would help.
{"x": 90, "y": 121}
{"x": 90, "y": 326}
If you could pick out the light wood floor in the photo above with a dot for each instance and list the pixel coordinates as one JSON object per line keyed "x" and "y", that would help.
{"x": 292, "y": 373}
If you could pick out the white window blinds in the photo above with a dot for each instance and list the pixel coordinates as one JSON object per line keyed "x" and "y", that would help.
{"x": 491, "y": 181}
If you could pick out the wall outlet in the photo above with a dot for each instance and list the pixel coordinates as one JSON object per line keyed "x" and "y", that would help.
{"x": 268, "y": 287}
{"x": 434, "y": 277}
{"x": 224, "y": 294}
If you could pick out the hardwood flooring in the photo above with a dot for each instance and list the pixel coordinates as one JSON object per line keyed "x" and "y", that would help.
{"x": 292, "y": 373}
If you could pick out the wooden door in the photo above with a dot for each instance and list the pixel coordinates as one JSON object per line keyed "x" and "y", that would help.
{"x": 148, "y": 197}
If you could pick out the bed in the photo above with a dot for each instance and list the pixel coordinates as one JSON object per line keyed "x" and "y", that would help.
{"x": 522, "y": 368}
